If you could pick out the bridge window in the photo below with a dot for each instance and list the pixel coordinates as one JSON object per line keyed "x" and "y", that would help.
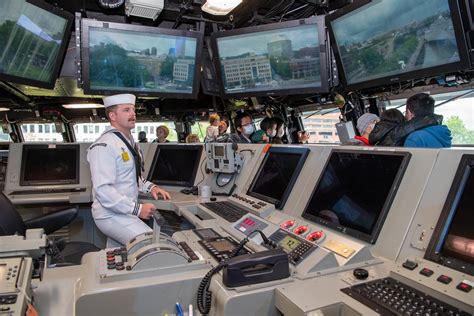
{"x": 321, "y": 125}
{"x": 41, "y": 133}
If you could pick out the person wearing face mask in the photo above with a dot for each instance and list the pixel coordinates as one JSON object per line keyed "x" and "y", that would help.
{"x": 116, "y": 165}
{"x": 243, "y": 123}
{"x": 268, "y": 130}
{"x": 280, "y": 137}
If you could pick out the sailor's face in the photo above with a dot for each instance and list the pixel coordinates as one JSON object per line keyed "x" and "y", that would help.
{"x": 124, "y": 116}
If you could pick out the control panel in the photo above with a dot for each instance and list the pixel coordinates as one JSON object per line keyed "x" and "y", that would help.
{"x": 257, "y": 206}
{"x": 296, "y": 247}
{"x": 221, "y": 157}
{"x": 217, "y": 246}
{"x": 15, "y": 280}
{"x": 249, "y": 224}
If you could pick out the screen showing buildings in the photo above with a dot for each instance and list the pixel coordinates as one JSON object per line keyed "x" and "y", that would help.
{"x": 453, "y": 240}
{"x": 31, "y": 42}
{"x": 175, "y": 165}
{"x": 138, "y": 61}
{"x": 270, "y": 60}
{"x": 277, "y": 174}
{"x": 355, "y": 191}
{"x": 390, "y": 37}
{"x": 49, "y": 165}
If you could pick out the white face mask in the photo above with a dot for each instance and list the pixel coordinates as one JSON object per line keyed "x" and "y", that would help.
{"x": 273, "y": 134}
{"x": 281, "y": 133}
{"x": 249, "y": 129}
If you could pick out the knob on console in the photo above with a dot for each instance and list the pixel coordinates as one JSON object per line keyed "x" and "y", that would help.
{"x": 361, "y": 274}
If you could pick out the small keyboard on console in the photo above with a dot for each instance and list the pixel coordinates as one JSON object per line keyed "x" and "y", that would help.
{"x": 226, "y": 210}
{"x": 391, "y": 297}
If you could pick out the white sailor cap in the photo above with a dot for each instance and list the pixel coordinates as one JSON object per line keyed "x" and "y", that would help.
{"x": 112, "y": 100}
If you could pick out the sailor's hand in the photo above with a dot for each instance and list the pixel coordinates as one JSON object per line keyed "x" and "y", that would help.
{"x": 156, "y": 192}
{"x": 146, "y": 211}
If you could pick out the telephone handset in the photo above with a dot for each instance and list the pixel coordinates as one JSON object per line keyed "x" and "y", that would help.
{"x": 255, "y": 268}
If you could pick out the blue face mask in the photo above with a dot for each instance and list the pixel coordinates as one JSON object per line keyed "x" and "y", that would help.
{"x": 249, "y": 129}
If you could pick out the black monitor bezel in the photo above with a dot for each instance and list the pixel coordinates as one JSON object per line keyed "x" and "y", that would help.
{"x": 62, "y": 49}
{"x": 183, "y": 147}
{"x": 86, "y": 24}
{"x": 372, "y": 238}
{"x": 279, "y": 204}
{"x": 466, "y": 165}
{"x": 323, "y": 52}
{"x": 462, "y": 64}
{"x": 28, "y": 147}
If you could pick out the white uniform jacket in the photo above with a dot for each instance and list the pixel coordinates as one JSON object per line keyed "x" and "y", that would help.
{"x": 114, "y": 182}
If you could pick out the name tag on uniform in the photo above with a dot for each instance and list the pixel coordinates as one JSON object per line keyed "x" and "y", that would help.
{"x": 125, "y": 156}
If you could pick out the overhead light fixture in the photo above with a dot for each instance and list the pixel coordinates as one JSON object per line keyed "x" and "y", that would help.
{"x": 4, "y": 109}
{"x": 83, "y": 106}
{"x": 220, "y": 7}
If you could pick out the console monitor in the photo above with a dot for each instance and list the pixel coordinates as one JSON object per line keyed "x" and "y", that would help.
{"x": 452, "y": 243}
{"x": 355, "y": 191}
{"x": 175, "y": 165}
{"x": 274, "y": 59}
{"x": 147, "y": 61}
{"x": 277, "y": 174}
{"x": 383, "y": 42}
{"x": 33, "y": 39}
{"x": 49, "y": 164}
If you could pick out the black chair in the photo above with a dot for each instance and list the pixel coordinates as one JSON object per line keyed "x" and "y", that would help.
{"x": 63, "y": 253}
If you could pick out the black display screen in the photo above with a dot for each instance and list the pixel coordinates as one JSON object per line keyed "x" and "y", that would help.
{"x": 175, "y": 165}
{"x": 453, "y": 241}
{"x": 33, "y": 38}
{"x": 355, "y": 191}
{"x": 49, "y": 164}
{"x": 277, "y": 174}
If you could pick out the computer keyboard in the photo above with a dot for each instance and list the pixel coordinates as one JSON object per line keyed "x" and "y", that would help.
{"x": 226, "y": 210}
{"x": 391, "y": 297}
{"x": 48, "y": 191}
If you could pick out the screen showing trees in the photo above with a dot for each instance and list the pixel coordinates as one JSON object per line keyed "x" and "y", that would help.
{"x": 389, "y": 37}
{"x": 140, "y": 61}
{"x": 30, "y": 41}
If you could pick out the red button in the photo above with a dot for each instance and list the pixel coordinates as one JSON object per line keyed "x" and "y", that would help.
{"x": 464, "y": 287}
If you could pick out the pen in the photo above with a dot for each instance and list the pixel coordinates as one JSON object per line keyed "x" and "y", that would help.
{"x": 179, "y": 310}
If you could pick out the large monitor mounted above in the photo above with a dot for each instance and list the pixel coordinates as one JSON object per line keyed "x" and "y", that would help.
{"x": 383, "y": 42}
{"x": 273, "y": 59}
{"x": 34, "y": 37}
{"x": 146, "y": 61}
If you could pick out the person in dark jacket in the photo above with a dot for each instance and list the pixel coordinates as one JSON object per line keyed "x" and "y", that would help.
{"x": 438, "y": 136}
{"x": 392, "y": 129}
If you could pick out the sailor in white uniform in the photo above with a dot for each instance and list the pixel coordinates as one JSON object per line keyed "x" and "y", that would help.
{"x": 116, "y": 163}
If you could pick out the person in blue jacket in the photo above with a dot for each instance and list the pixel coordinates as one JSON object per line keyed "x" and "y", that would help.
{"x": 419, "y": 106}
